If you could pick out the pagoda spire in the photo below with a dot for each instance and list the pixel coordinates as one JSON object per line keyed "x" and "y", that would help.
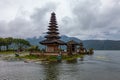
{"x": 52, "y": 41}
{"x": 52, "y": 33}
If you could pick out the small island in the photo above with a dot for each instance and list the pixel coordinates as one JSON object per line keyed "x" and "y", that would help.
{"x": 53, "y": 44}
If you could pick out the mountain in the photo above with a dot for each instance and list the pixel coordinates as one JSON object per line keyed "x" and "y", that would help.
{"x": 102, "y": 44}
{"x": 66, "y": 39}
{"x": 35, "y": 41}
{"x": 95, "y": 44}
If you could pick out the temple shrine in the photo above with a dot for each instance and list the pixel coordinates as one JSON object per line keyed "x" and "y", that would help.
{"x": 52, "y": 40}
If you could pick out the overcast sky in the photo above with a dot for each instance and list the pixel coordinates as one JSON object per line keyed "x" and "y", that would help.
{"x": 84, "y": 19}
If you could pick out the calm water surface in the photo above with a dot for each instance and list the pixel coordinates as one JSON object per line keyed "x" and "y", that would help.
{"x": 103, "y": 65}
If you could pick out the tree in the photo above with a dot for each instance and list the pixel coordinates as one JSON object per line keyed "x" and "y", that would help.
{"x": 21, "y": 43}
{"x": 8, "y": 41}
{"x": 15, "y": 42}
{"x": 1, "y": 43}
{"x": 33, "y": 48}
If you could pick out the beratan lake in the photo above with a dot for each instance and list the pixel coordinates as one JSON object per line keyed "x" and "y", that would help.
{"x": 103, "y": 65}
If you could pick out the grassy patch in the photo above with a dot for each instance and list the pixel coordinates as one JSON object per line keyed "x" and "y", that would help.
{"x": 43, "y": 58}
{"x": 7, "y": 52}
{"x": 30, "y": 57}
{"x": 51, "y": 57}
{"x": 13, "y": 52}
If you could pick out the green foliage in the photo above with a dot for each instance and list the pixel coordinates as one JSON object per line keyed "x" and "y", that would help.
{"x": 19, "y": 43}
{"x": 51, "y": 57}
{"x": 30, "y": 57}
{"x": 33, "y": 48}
{"x": 91, "y": 51}
{"x": 7, "y": 52}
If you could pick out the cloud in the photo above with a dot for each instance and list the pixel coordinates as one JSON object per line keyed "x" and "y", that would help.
{"x": 24, "y": 28}
{"x": 39, "y": 17}
{"x": 85, "y": 19}
{"x": 92, "y": 19}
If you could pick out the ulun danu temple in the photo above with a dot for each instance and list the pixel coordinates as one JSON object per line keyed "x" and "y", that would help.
{"x": 52, "y": 40}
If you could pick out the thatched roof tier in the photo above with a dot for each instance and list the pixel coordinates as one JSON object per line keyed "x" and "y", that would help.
{"x": 52, "y": 36}
{"x": 53, "y": 26}
{"x": 52, "y": 29}
{"x": 44, "y": 42}
{"x": 52, "y": 32}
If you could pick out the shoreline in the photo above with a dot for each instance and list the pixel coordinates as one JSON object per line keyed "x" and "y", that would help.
{"x": 34, "y": 58}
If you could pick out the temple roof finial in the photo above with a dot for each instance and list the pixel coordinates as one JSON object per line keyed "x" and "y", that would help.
{"x": 53, "y": 13}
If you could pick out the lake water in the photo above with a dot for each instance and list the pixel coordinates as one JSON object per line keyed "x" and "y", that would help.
{"x": 103, "y": 65}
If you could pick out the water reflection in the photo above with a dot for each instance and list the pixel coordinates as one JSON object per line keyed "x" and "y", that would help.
{"x": 82, "y": 58}
{"x": 103, "y": 65}
{"x": 51, "y": 71}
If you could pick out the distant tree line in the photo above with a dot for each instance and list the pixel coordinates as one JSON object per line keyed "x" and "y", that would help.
{"x": 10, "y": 43}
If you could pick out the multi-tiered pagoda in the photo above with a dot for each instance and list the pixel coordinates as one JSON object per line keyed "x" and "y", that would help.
{"x": 52, "y": 41}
